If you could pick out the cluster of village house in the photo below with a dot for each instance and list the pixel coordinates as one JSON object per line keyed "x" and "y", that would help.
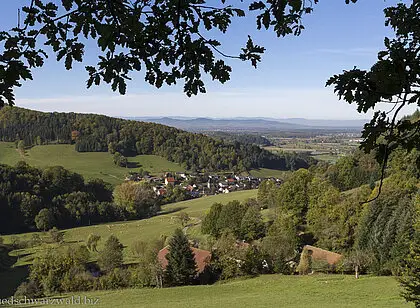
{"x": 200, "y": 184}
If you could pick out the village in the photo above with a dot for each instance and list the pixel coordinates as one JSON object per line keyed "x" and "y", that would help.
{"x": 199, "y": 184}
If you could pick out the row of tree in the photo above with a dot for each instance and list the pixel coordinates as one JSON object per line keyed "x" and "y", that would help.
{"x": 55, "y": 197}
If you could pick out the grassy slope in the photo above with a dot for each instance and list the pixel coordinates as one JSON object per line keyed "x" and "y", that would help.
{"x": 266, "y": 173}
{"x": 99, "y": 164}
{"x": 265, "y": 291}
{"x": 90, "y": 165}
{"x": 144, "y": 230}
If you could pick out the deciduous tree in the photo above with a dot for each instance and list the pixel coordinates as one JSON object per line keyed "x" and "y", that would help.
{"x": 111, "y": 255}
{"x": 392, "y": 81}
{"x": 44, "y": 220}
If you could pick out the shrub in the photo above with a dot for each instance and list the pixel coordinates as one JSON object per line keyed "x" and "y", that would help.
{"x": 51, "y": 268}
{"x": 118, "y": 278}
{"x": 35, "y": 240}
{"x": 92, "y": 242}
{"x": 148, "y": 272}
{"x": 55, "y": 235}
{"x": 183, "y": 218}
{"x": 322, "y": 266}
{"x": 143, "y": 275}
{"x": 29, "y": 289}
{"x": 17, "y": 243}
{"x": 76, "y": 280}
{"x": 305, "y": 263}
{"x": 229, "y": 268}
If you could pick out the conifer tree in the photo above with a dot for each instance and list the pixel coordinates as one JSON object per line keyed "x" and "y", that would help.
{"x": 112, "y": 255}
{"x": 181, "y": 269}
{"x": 410, "y": 280}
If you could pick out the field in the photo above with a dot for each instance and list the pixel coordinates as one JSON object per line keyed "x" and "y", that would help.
{"x": 99, "y": 164}
{"x": 327, "y": 291}
{"x": 131, "y": 231}
{"x": 318, "y": 148}
{"x": 90, "y": 165}
{"x": 267, "y": 173}
{"x": 128, "y": 232}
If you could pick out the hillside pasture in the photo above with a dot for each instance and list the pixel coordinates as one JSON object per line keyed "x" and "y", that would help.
{"x": 89, "y": 164}
{"x": 130, "y": 231}
{"x": 268, "y": 173}
{"x": 327, "y": 291}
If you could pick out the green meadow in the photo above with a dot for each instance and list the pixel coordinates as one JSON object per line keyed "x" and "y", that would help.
{"x": 316, "y": 291}
{"x": 88, "y": 164}
{"x": 268, "y": 173}
{"x": 137, "y": 230}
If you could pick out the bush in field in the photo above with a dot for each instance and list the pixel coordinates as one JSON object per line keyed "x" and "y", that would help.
{"x": 35, "y": 240}
{"x": 30, "y": 289}
{"x": 227, "y": 257}
{"x": 92, "y": 242}
{"x": 55, "y": 270}
{"x": 322, "y": 266}
{"x": 18, "y": 243}
{"x": 77, "y": 280}
{"x": 116, "y": 278}
{"x": 305, "y": 263}
{"x": 281, "y": 243}
{"x": 55, "y": 235}
{"x": 183, "y": 218}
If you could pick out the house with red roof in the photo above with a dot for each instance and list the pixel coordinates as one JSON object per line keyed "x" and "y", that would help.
{"x": 319, "y": 254}
{"x": 170, "y": 181}
{"x": 202, "y": 258}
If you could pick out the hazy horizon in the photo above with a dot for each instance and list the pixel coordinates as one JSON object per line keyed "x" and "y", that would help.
{"x": 289, "y": 82}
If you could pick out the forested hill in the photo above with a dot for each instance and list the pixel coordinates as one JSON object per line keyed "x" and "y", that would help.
{"x": 97, "y": 133}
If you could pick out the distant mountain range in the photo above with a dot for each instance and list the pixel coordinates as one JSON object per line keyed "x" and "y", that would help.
{"x": 253, "y": 124}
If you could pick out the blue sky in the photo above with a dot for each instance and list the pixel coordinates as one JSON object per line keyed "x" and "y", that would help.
{"x": 288, "y": 83}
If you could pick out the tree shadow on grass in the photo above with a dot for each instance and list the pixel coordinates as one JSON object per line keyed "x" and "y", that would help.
{"x": 133, "y": 164}
{"x": 10, "y": 277}
{"x": 170, "y": 211}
